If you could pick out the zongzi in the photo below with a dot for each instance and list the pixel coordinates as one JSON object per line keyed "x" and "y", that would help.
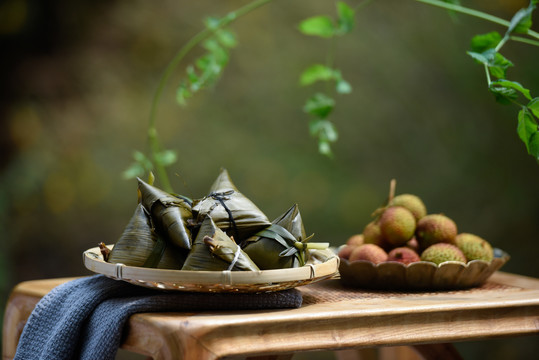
{"x": 169, "y": 214}
{"x": 139, "y": 245}
{"x": 281, "y": 245}
{"x": 213, "y": 250}
{"x": 230, "y": 210}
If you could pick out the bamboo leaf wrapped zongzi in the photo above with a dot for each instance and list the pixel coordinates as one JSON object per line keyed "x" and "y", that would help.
{"x": 230, "y": 210}
{"x": 139, "y": 245}
{"x": 169, "y": 214}
{"x": 213, "y": 250}
{"x": 281, "y": 245}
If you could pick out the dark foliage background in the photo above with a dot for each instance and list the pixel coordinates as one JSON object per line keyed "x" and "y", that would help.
{"x": 77, "y": 79}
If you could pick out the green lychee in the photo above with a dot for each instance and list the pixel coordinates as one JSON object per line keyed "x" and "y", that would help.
{"x": 412, "y": 203}
{"x": 435, "y": 228}
{"x": 397, "y": 225}
{"x": 373, "y": 235}
{"x": 369, "y": 252}
{"x": 403, "y": 255}
{"x": 474, "y": 247}
{"x": 440, "y": 252}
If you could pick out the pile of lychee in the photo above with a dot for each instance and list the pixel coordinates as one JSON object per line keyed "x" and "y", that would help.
{"x": 402, "y": 231}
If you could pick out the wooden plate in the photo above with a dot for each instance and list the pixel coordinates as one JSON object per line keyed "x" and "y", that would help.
{"x": 421, "y": 275}
{"x": 324, "y": 264}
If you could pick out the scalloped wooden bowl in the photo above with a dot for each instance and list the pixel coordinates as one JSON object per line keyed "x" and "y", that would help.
{"x": 422, "y": 275}
{"x": 324, "y": 265}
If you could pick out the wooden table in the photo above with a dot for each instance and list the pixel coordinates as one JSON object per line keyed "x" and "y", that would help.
{"x": 331, "y": 318}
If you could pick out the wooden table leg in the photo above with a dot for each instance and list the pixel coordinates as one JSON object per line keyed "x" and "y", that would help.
{"x": 412, "y": 352}
{"x": 398, "y": 352}
{"x": 18, "y": 310}
{"x": 438, "y": 351}
{"x": 357, "y": 354}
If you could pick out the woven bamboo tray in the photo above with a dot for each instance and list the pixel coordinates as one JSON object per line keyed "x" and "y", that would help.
{"x": 324, "y": 265}
{"x": 421, "y": 275}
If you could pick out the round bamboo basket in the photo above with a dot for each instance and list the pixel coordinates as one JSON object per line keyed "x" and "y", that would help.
{"x": 421, "y": 275}
{"x": 217, "y": 281}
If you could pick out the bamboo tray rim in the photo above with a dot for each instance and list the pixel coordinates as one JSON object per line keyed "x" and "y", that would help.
{"x": 189, "y": 280}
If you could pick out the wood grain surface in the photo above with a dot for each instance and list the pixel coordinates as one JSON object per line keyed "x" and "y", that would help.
{"x": 332, "y": 317}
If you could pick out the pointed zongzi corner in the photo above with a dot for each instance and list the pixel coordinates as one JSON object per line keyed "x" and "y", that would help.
{"x": 139, "y": 245}
{"x": 291, "y": 221}
{"x": 281, "y": 245}
{"x": 231, "y": 211}
{"x": 223, "y": 182}
{"x": 213, "y": 250}
{"x": 168, "y": 213}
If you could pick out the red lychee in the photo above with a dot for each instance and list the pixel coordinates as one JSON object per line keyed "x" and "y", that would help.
{"x": 369, "y": 252}
{"x": 403, "y": 255}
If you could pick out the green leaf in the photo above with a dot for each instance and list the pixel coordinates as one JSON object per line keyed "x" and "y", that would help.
{"x": 141, "y": 165}
{"x": 345, "y": 21}
{"x": 166, "y": 157}
{"x": 479, "y": 57}
{"x": 143, "y": 160}
{"x": 324, "y": 148}
{"x": 496, "y": 62}
{"x": 324, "y": 130}
{"x": 512, "y": 85}
{"x": 319, "y": 105}
{"x": 318, "y": 26}
{"x": 193, "y": 78}
{"x": 527, "y": 131}
{"x": 212, "y": 23}
{"x": 533, "y": 106}
{"x": 522, "y": 20}
{"x": 533, "y": 146}
{"x": 504, "y": 95}
{"x": 481, "y": 43}
{"x": 182, "y": 94}
{"x": 226, "y": 38}
{"x": 498, "y": 66}
{"x": 343, "y": 87}
{"x": 330, "y": 132}
{"x": 218, "y": 52}
{"x": 314, "y": 73}
{"x": 204, "y": 61}
{"x": 133, "y": 171}
{"x": 285, "y": 234}
{"x": 288, "y": 252}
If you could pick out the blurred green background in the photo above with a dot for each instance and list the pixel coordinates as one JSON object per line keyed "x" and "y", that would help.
{"x": 77, "y": 80}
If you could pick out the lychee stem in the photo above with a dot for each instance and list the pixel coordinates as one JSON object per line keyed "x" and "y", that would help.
{"x": 392, "y": 186}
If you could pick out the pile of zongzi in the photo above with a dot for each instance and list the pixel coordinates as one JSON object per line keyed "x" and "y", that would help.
{"x": 222, "y": 231}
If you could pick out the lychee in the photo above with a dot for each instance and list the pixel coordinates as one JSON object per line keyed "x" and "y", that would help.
{"x": 355, "y": 240}
{"x": 412, "y": 244}
{"x": 369, "y": 252}
{"x": 474, "y": 247}
{"x": 403, "y": 255}
{"x": 373, "y": 235}
{"x": 440, "y": 252}
{"x": 435, "y": 228}
{"x": 397, "y": 225}
{"x": 412, "y": 203}
{"x": 345, "y": 251}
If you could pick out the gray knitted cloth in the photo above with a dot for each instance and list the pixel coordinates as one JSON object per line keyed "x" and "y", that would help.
{"x": 84, "y": 318}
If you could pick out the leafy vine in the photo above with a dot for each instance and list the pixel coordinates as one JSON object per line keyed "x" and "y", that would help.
{"x": 217, "y": 41}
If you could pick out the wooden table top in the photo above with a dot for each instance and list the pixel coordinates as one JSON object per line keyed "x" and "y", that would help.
{"x": 331, "y": 317}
